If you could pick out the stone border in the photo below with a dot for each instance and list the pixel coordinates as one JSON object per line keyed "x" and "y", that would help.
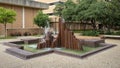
{"x": 25, "y": 54}
{"x": 18, "y": 51}
{"x": 86, "y": 54}
{"x": 22, "y": 41}
{"x": 10, "y": 44}
{"x": 110, "y": 36}
{"x": 32, "y": 55}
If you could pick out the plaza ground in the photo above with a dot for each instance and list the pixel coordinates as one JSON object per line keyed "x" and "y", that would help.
{"x": 109, "y": 58}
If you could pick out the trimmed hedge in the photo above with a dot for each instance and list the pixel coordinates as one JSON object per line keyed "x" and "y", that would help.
{"x": 90, "y": 33}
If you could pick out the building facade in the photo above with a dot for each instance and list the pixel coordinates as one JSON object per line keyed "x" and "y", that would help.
{"x": 26, "y": 11}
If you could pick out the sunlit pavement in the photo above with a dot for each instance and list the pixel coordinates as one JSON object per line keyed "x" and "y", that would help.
{"x": 109, "y": 58}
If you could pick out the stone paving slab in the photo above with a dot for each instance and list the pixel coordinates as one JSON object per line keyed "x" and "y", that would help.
{"x": 109, "y": 58}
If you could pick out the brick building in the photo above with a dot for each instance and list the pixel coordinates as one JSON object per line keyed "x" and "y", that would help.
{"x": 26, "y": 11}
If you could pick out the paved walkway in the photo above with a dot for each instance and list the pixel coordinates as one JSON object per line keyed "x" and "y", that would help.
{"x": 109, "y": 58}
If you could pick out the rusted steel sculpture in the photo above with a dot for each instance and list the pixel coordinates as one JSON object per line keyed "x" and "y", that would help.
{"x": 65, "y": 39}
{"x": 46, "y": 42}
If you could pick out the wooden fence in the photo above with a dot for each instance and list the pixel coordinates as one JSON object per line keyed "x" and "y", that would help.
{"x": 73, "y": 26}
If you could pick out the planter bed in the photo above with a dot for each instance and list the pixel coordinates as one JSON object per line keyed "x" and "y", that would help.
{"x": 27, "y": 55}
{"x": 19, "y": 47}
{"x": 104, "y": 46}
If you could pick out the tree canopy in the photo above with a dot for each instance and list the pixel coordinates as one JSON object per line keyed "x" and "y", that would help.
{"x": 116, "y": 3}
{"x": 58, "y": 9}
{"x": 41, "y": 19}
{"x": 68, "y": 13}
{"x": 103, "y": 12}
{"x": 7, "y": 16}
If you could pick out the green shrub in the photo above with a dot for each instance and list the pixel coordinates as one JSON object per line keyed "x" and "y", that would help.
{"x": 109, "y": 33}
{"x": 100, "y": 31}
{"x": 77, "y": 31}
{"x": 80, "y": 31}
{"x": 90, "y": 33}
{"x": 117, "y": 33}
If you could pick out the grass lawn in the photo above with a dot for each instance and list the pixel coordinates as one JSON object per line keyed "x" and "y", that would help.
{"x": 32, "y": 49}
{"x": 79, "y": 31}
{"x": 86, "y": 49}
{"x": 35, "y": 50}
{"x": 27, "y": 48}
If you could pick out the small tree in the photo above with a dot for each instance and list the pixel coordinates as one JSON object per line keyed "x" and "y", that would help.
{"x": 41, "y": 19}
{"x": 6, "y": 16}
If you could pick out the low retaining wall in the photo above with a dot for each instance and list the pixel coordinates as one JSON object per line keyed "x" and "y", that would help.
{"x": 24, "y": 32}
{"x": 25, "y": 54}
{"x": 13, "y": 44}
{"x": 23, "y": 41}
{"x": 110, "y": 36}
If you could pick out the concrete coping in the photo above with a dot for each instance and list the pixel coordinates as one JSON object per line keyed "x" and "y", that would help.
{"x": 26, "y": 3}
{"x": 111, "y": 36}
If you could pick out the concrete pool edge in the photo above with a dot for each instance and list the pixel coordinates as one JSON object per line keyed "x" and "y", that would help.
{"x": 33, "y": 55}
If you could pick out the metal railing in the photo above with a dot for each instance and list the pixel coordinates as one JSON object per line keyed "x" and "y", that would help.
{"x": 28, "y": 3}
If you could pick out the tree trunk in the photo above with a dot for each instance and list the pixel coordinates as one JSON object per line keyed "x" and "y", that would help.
{"x": 84, "y": 28}
{"x": 39, "y": 31}
{"x": 93, "y": 24}
{"x": 5, "y": 30}
{"x": 108, "y": 28}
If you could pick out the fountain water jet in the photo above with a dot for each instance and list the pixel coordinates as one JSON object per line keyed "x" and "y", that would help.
{"x": 47, "y": 28}
{"x": 47, "y": 40}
